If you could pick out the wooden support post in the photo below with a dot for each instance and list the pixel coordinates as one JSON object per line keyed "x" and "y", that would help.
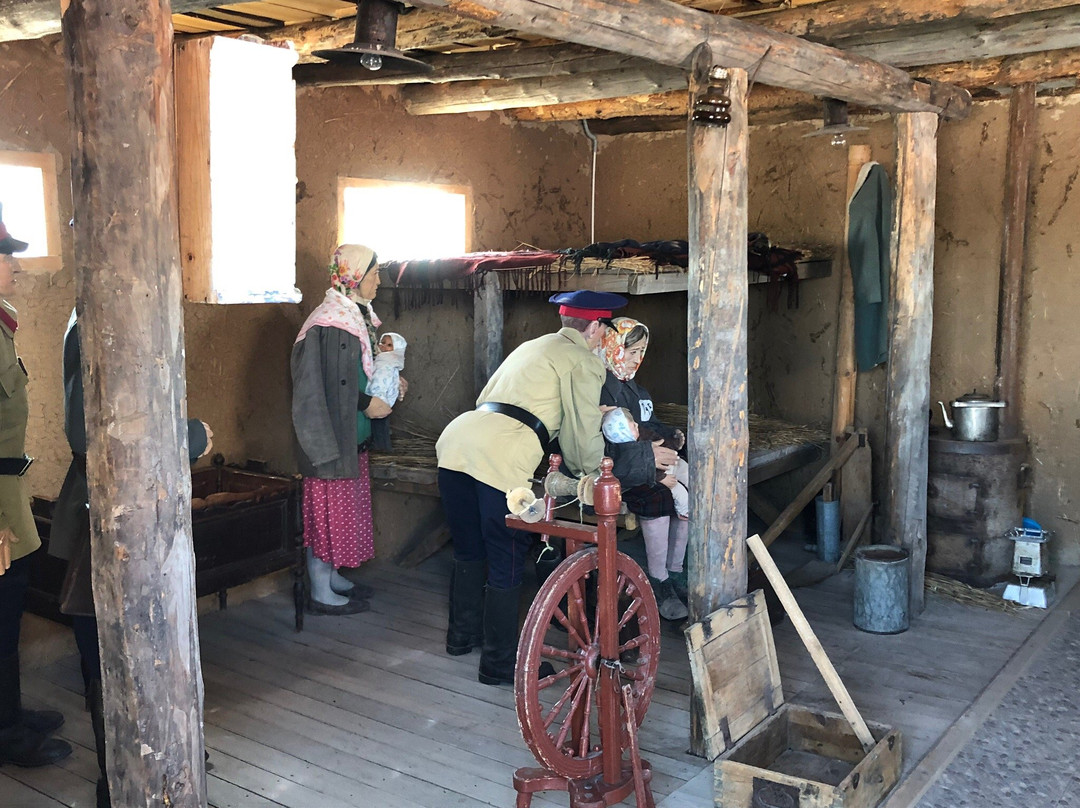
{"x": 128, "y": 292}
{"x": 1017, "y": 173}
{"x": 907, "y": 396}
{"x": 716, "y": 333}
{"x": 846, "y": 373}
{"x": 717, "y": 293}
{"x": 487, "y": 328}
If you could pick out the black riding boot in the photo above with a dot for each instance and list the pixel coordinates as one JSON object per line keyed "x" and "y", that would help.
{"x": 499, "y": 653}
{"x": 19, "y": 743}
{"x": 466, "y": 628}
{"x": 97, "y": 720}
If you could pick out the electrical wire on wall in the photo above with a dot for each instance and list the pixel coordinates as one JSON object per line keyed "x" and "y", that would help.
{"x": 592, "y": 192}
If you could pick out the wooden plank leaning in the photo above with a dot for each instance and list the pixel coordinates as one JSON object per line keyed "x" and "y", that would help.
{"x": 789, "y": 513}
{"x": 810, "y": 640}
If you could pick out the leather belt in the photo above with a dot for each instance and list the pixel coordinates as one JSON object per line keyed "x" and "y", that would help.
{"x": 14, "y": 466}
{"x": 521, "y": 415}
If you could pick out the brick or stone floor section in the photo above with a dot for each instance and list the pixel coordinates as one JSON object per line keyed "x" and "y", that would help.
{"x": 1025, "y": 754}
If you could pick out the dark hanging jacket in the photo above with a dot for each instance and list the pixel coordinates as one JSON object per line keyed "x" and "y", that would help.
{"x": 869, "y": 235}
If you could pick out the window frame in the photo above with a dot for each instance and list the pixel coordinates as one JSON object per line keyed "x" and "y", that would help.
{"x": 345, "y": 183}
{"x": 53, "y": 260}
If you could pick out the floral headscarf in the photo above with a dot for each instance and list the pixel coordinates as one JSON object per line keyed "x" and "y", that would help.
{"x": 339, "y": 311}
{"x": 348, "y": 266}
{"x": 614, "y": 347}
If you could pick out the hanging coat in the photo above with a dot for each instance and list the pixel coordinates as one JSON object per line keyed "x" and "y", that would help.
{"x": 869, "y": 235}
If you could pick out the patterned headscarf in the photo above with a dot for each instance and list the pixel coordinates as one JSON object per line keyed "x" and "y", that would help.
{"x": 614, "y": 346}
{"x": 338, "y": 311}
{"x": 348, "y": 266}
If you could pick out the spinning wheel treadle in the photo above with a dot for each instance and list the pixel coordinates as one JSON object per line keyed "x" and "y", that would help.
{"x": 559, "y": 714}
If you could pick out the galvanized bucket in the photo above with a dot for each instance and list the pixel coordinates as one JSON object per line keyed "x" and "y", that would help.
{"x": 881, "y": 589}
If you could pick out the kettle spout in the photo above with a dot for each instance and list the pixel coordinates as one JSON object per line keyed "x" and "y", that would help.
{"x": 945, "y": 415}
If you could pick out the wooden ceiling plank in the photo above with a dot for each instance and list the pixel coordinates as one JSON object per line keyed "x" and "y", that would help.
{"x": 669, "y": 33}
{"x": 202, "y": 25}
{"x": 283, "y": 13}
{"x": 232, "y": 18}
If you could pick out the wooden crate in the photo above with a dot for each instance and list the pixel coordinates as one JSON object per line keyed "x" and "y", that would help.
{"x": 769, "y": 752}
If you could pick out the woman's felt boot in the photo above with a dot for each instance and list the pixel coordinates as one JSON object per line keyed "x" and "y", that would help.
{"x": 498, "y": 655}
{"x": 19, "y": 744}
{"x": 323, "y": 599}
{"x": 465, "y": 630}
{"x": 671, "y": 608}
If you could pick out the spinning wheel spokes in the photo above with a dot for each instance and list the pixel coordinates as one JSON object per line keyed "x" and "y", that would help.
{"x": 559, "y": 712}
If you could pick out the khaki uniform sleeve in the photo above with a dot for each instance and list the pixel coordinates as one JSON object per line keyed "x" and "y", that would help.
{"x": 580, "y": 438}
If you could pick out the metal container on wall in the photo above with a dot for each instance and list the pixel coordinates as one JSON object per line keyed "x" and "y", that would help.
{"x": 974, "y": 498}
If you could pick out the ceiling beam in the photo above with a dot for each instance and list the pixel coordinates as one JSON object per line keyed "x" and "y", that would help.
{"x": 668, "y": 34}
{"x": 1039, "y": 32}
{"x": 1028, "y": 33}
{"x": 830, "y": 23}
{"x": 506, "y": 65}
{"x": 769, "y": 105}
{"x": 474, "y": 96}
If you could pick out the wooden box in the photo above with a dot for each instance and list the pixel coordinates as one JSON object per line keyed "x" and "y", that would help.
{"x": 771, "y": 754}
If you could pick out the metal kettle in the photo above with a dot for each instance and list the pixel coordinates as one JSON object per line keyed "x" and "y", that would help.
{"x": 975, "y": 417}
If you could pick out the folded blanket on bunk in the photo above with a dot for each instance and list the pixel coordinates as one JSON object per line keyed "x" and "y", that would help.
{"x": 469, "y": 264}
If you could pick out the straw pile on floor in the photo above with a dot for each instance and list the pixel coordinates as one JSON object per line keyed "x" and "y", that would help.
{"x": 969, "y": 595}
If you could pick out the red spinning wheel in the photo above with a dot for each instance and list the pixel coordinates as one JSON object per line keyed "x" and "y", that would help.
{"x": 559, "y": 714}
{"x": 580, "y": 719}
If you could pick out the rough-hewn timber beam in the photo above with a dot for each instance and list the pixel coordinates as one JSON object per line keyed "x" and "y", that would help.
{"x": 769, "y": 104}
{"x": 472, "y": 96}
{"x": 667, "y": 33}
{"x": 831, "y": 22}
{"x": 1042, "y": 31}
{"x": 505, "y": 65}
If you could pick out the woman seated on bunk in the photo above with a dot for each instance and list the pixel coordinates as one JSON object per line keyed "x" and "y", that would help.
{"x": 636, "y": 464}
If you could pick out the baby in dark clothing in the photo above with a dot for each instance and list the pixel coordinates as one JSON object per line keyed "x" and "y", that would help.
{"x": 619, "y": 426}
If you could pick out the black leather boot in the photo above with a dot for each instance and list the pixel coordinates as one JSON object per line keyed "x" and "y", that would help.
{"x": 466, "y": 627}
{"x": 97, "y": 721}
{"x": 20, "y": 744}
{"x": 499, "y": 653}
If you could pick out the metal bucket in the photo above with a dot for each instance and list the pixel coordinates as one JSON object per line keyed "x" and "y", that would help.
{"x": 881, "y": 589}
{"x": 828, "y": 529}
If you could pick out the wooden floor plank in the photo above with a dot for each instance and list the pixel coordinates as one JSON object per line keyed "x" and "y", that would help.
{"x": 369, "y": 710}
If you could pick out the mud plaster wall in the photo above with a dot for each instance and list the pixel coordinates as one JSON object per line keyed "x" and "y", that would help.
{"x": 529, "y": 184}
{"x": 797, "y": 197}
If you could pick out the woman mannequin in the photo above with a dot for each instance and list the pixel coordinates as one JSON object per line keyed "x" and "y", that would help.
{"x": 332, "y": 363}
{"x": 636, "y": 463}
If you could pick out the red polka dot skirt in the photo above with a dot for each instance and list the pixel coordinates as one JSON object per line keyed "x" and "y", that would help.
{"x": 337, "y": 518}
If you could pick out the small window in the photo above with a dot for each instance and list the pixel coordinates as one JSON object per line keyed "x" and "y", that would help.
{"x": 404, "y": 220}
{"x": 31, "y": 212}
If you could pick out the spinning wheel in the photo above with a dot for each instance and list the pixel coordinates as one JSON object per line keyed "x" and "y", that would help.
{"x": 559, "y": 714}
{"x": 579, "y": 718}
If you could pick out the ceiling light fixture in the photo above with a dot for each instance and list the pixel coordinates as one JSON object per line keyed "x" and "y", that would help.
{"x": 835, "y": 122}
{"x": 373, "y": 46}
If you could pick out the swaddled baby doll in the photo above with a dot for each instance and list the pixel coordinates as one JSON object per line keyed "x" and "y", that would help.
{"x": 386, "y": 382}
{"x": 619, "y": 426}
